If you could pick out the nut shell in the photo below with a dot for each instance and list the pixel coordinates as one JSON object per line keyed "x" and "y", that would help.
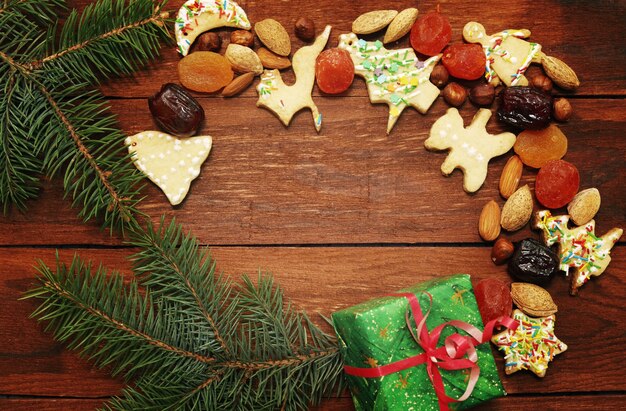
{"x": 584, "y": 206}
{"x": 400, "y": 25}
{"x": 373, "y": 21}
{"x": 560, "y": 73}
{"x": 274, "y": 36}
{"x": 243, "y": 59}
{"x": 533, "y": 299}
{"x": 517, "y": 210}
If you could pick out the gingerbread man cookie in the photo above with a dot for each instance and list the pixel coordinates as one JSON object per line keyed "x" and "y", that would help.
{"x": 394, "y": 77}
{"x": 285, "y": 101}
{"x": 170, "y": 162}
{"x": 531, "y": 346}
{"x": 471, "y": 148}
{"x": 197, "y": 16}
{"x": 508, "y": 56}
{"x": 579, "y": 248}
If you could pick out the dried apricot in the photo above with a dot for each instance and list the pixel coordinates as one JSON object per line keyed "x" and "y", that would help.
{"x": 464, "y": 61}
{"x": 557, "y": 183}
{"x": 204, "y": 71}
{"x": 334, "y": 71}
{"x": 430, "y": 33}
{"x": 536, "y": 147}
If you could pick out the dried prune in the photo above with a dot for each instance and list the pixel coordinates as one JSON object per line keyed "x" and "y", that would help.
{"x": 533, "y": 262}
{"x": 525, "y": 107}
{"x": 176, "y": 111}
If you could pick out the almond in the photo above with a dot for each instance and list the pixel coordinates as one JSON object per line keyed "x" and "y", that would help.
{"x": 511, "y": 174}
{"x": 560, "y": 73}
{"x": 243, "y": 59}
{"x": 584, "y": 206}
{"x": 271, "y": 60}
{"x": 517, "y": 210}
{"x": 238, "y": 85}
{"x": 489, "y": 221}
{"x": 274, "y": 36}
{"x": 400, "y": 25}
{"x": 533, "y": 300}
{"x": 373, "y": 21}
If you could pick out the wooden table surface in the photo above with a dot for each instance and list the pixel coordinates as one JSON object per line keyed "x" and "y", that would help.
{"x": 350, "y": 213}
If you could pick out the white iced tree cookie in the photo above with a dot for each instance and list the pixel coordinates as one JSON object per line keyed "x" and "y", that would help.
{"x": 394, "y": 77}
{"x": 470, "y": 148}
{"x": 284, "y": 100}
{"x": 197, "y": 16}
{"x": 170, "y": 162}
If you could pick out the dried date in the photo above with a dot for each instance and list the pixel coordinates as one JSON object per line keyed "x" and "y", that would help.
{"x": 176, "y": 111}
{"x": 533, "y": 262}
{"x": 525, "y": 107}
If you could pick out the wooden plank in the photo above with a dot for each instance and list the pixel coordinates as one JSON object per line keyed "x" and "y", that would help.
{"x": 569, "y": 33}
{"x": 510, "y": 403}
{"x": 324, "y": 280}
{"x": 267, "y": 184}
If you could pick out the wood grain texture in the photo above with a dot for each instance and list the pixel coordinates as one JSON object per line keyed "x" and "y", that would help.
{"x": 267, "y": 184}
{"x": 323, "y": 280}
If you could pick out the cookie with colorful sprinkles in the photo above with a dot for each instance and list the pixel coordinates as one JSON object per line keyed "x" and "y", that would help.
{"x": 531, "y": 346}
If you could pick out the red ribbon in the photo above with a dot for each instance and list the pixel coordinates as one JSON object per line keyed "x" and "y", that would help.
{"x": 457, "y": 353}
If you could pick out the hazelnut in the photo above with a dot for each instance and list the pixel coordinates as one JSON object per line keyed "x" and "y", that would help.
{"x": 532, "y": 72}
{"x": 542, "y": 83}
{"x": 482, "y": 94}
{"x": 305, "y": 29}
{"x": 439, "y": 76}
{"x": 502, "y": 250}
{"x": 242, "y": 37}
{"x": 207, "y": 41}
{"x": 454, "y": 94}
{"x": 562, "y": 109}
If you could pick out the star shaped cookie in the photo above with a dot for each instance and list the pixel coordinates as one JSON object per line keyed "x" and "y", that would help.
{"x": 579, "y": 247}
{"x": 470, "y": 148}
{"x": 531, "y": 346}
{"x": 394, "y": 77}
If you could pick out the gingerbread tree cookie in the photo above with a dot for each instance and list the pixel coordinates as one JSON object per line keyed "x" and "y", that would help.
{"x": 579, "y": 248}
{"x": 531, "y": 346}
{"x": 284, "y": 100}
{"x": 508, "y": 56}
{"x": 394, "y": 77}
{"x": 471, "y": 148}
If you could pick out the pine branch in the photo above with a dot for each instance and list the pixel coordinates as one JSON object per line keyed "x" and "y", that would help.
{"x": 43, "y": 11}
{"x": 165, "y": 325}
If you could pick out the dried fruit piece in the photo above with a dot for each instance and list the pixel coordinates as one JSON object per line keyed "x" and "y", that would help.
{"x": 176, "y": 111}
{"x": 274, "y": 36}
{"x": 334, "y": 71}
{"x": 501, "y": 251}
{"x": 400, "y": 25}
{"x": 204, "y": 71}
{"x": 489, "y": 221}
{"x": 533, "y": 300}
{"x": 517, "y": 210}
{"x": 536, "y": 147}
{"x": 271, "y": 60}
{"x": 493, "y": 299}
{"x": 373, "y": 21}
{"x": 464, "y": 61}
{"x": 511, "y": 174}
{"x": 243, "y": 59}
{"x": 584, "y": 206}
{"x": 533, "y": 262}
{"x": 238, "y": 85}
{"x": 557, "y": 183}
{"x": 525, "y": 107}
{"x": 431, "y": 33}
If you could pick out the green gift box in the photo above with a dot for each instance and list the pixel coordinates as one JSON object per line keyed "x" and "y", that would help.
{"x": 376, "y": 333}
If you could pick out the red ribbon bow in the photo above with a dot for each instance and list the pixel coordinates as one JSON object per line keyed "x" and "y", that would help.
{"x": 457, "y": 353}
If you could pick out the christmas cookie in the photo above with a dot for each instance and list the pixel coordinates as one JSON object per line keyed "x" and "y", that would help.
{"x": 394, "y": 77}
{"x": 198, "y": 16}
{"x": 470, "y": 148}
{"x": 579, "y": 248}
{"x": 285, "y": 101}
{"x": 508, "y": 56}
{"x": 531, "y": 346}
{"x": 170, "y": 162}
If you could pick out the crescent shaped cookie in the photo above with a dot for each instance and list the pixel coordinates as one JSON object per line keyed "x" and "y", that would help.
{"x": 197, "y": 16}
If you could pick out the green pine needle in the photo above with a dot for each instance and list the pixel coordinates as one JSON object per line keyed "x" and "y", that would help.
{"x": 190, "y": 338}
